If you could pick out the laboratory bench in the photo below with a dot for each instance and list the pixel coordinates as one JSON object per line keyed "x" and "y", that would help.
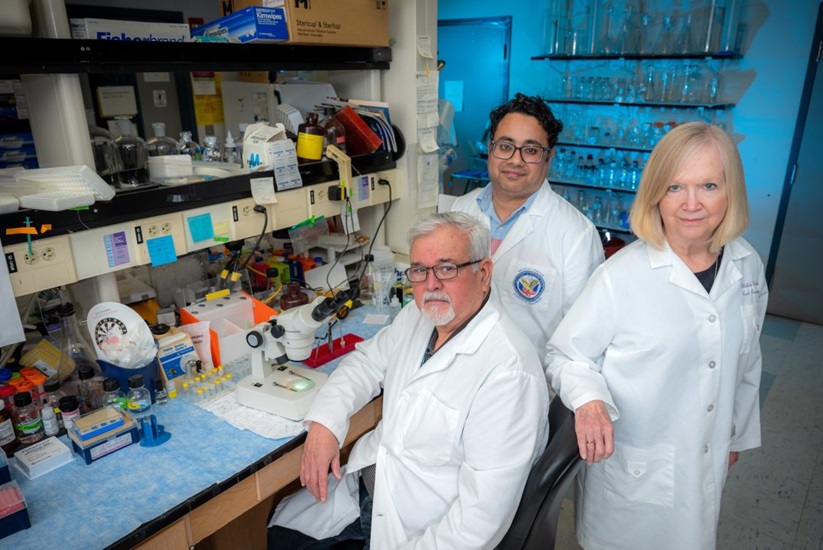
{"x": 210, "y": 477}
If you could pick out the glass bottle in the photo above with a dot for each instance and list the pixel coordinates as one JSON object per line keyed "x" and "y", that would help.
{"x": 91, "y": 389}
{"x": 27, "y": 420}
{"x": 70, "y": 409}
{"x": 52, "y": 398}
{"x": 112, "y": 394}
{"x": 139, "y": 398}
{"x": 310, "y": 137}
{"x": 161, "y": 397}
{"x": 188, "y": 147}
{"x": 161, "y": 144}
{"x": 368, "y": 280}
{"x": 334, "y": 129}
{"x": 132, "y": 157}
{"x": 8, "y": 439}
{"x": 76, "y": 351}
{"x": 293, "y": 297}
{"x": 104, "y": 153}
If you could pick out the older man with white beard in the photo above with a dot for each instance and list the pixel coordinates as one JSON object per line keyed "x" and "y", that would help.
{"x": 465, "y": 407}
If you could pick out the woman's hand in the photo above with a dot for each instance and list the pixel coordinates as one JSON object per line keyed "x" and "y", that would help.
{"x": 595, "y": 433}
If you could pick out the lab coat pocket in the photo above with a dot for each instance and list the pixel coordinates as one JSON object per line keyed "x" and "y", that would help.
{"x": 430, "y": 430}
{"x": 751, "y": 327}
{"x": 641, "y": 476}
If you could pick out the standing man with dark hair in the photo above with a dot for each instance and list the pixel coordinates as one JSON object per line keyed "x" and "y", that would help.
{"x": 542, "y": 247}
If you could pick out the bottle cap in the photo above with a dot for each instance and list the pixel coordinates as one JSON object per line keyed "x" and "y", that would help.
{"x": 159, "y": 328}
{"x": 159, "y": 385}
{"x": 66, "y": 310}
{"x": 329, "y": 110}
{"x": 68, "y": 403}
{"x": 230, "y": 140}
{"x": 6, "y": 391}
{"x": 111, "y": 384}
{"x": 136, "y": 381}
{"x": 21, "y": 399}
{"x": 85, "y": 372}
{"x": 52, "y": 384}
{"x": 369, "y": 258}
{"x": 5, "y": 375}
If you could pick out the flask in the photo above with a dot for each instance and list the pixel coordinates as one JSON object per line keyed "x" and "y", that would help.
{"x": 70, "y": 409}
{"x": 161, "y": 144}
{"x": 50, "y": 425}
{"x": 335, "y": 132}
{"x": 112, "y": 395}
{"x": 368, "y": 280}
{"x": 310, "y": 137}
{"x": 76, "y": 351}
{"x": 91, "y": 389}
{"x": 52, "y": 396}
{"x": 8, "y": 439}
{"x": 188, "y": 147}
{"x": 27, "y": 419}
{"x": 132, "y": 157}
{"x": 139, "y": 398}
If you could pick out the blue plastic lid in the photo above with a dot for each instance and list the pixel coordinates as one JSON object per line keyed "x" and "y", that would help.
{"x": 5, "y": 375}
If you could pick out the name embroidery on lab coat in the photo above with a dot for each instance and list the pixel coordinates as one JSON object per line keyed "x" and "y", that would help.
{"x": 529, "y": 285}
{"x": 750, "y": 288}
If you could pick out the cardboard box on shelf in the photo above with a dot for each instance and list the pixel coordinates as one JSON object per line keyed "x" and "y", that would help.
{"x": 251, "y": 24}
{"x": 325, "y": 22}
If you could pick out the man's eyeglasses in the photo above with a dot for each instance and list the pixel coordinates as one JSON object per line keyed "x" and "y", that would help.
{"x": 443, "y": 272}
{"x": 532, "y": 154}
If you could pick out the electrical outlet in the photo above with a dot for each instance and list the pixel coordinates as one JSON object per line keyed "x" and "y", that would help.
{"x": 49, "y": 264}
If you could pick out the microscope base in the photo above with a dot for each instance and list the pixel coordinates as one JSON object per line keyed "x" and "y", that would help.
{"x": 289, "y": 391}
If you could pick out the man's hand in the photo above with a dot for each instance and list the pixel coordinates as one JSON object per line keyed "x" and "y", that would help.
{"x": 595, "y": 433}
{"x": 734, "y": 456}
{"x": 320, "y": 450}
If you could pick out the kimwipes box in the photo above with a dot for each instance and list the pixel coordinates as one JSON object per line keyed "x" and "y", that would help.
{"x": 327, "y": 22}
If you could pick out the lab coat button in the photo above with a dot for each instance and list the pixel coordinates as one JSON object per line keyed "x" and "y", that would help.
{"x": 712, "y": 318}
{"x": 711, "y": 408}
{"x": 637, "y": 473}
{"x": 712, "y": 364}
{"x": 706, "y": 449}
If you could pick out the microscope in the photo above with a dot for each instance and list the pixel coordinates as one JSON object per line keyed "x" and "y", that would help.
{"x": 281, "y": 388}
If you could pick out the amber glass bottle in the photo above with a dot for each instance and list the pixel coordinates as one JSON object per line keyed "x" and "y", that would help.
{"x": 310, "y": 137}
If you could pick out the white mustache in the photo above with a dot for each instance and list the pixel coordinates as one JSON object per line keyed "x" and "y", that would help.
{"x": 434, "y": 295}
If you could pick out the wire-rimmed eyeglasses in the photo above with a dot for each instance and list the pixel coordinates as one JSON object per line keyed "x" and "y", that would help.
{"x": 532, "y": 154}
{"x": 443, "y": 272}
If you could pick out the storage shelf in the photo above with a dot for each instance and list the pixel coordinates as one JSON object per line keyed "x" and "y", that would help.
{"x": 45, "y": 55}
{"x": 712, "y": 106}
{"x": 638, "y": 56}
{"x": 583, "y": 184}
{"x": 133, "y": 205}
{"x": 605, "y": 146}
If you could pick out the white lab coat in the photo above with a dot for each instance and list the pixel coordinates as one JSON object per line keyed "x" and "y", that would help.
{"x": 457, "y": 440}
{"x": 679, "y": 371}
{"x": 541, "y": 266}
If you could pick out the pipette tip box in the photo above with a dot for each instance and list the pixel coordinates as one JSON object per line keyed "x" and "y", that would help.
{"x": 106, "y": 442}
{"x": 14, "y": 515}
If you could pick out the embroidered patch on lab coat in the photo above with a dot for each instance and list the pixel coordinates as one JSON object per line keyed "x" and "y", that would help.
{"x": 529, "y": 285}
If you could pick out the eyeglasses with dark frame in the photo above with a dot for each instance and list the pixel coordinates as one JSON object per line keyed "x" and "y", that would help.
{"x": 443, "y": 272}
{"x": 531, "y": 154}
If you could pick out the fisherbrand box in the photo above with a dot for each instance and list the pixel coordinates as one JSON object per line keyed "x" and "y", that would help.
{"x": 252, "y": 24}
{"x": 328, "y": 22}
{"x": 109, "y": 29}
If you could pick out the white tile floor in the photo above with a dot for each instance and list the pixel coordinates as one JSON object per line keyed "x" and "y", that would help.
{"x": 773, "y": 498}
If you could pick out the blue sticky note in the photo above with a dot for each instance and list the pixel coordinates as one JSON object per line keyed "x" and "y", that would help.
{"x": 161, "y": 250}
{"x": 201, "y": 227}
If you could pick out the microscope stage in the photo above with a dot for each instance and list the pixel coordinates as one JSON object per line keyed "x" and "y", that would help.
{"x": 288, "y": 391}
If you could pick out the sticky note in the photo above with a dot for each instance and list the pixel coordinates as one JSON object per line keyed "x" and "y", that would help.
{"x": 221, "y": 228}
{"x": 161, "y": 250}
{"x": 200, "y": 227}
